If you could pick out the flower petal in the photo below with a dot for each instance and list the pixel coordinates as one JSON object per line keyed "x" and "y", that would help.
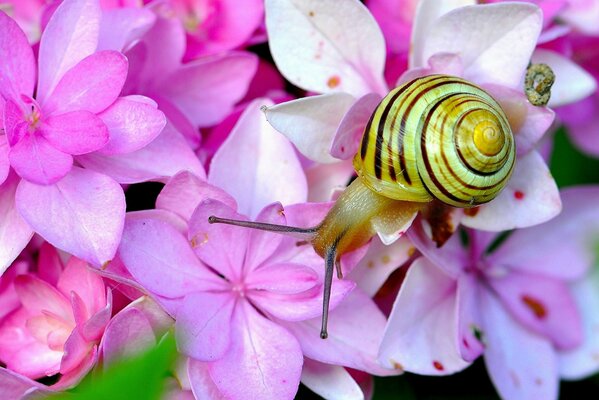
{"x": 17, "y": 70}
{"x": 327, "y": 56}
{"x": 573, "y": 84}
{"x": 82, "y": 214}
{"x": 263, "y": 359}
{"x": 37, "y": 161}
{"x": 75, "y": 132}
{"x": 15, "y": 233}
{"x": 325, "y": 180}
{"x": 310, "y": 123}
{"x": 121, "y": 27}
{"x": 91, "y": 85}
{"x": 144, "y": 253}
{"x": 206, "y": 90}
{"x": 422, "y": 333}
{"x": 37, "y": 295}
{"x": 203, "y": 324}
{"x": 521, "y": 364}
{"x": 16, "y": 386}
{"x": 506, "y": 37}
{"x": 355, "y": 331}
{"x": 78, "y": 277}
{"x": 255, "y": 146}
{"x": 263, "y": 244}
{"x": 165, "y": 156}
{"x": 202, "y": 385}
{"x": 427, "y": 14}
{"x": 284, "y": 278}
{"x": 4, "y": 161}
{"x": 529, "y": 198}
{"x": 70, "y": 36}
{"x": 330, "y": 381}
{"x": 353, "y": 125}
{"x": 132, "y": 124}
{"x": 184, "y": 191}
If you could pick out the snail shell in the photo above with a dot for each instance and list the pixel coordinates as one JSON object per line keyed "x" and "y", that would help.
{"x": 437, "y": 137}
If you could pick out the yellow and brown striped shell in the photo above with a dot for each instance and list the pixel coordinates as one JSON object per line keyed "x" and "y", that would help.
{"x": 437, "y": 137}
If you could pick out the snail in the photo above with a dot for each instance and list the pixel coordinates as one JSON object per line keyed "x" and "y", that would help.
{"x": 435, "y": 137}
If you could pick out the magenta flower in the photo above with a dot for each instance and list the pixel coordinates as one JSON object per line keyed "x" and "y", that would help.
{"x": 58, "y": 324}
{"x": 524, "y": 306}
{"x": 76, "y": 112}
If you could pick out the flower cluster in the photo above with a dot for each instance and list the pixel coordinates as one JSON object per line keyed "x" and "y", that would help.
{"x": 256, "y": 114}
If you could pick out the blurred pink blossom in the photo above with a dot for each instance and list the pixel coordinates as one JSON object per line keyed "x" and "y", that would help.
{"x": 59, "y": 321}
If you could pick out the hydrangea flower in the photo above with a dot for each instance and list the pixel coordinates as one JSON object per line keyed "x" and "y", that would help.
{"x": 228, "y": 286}
{"x": 59, "y": 321}
{"x": 76, "y": 111}
{"x": 522, "y": 304}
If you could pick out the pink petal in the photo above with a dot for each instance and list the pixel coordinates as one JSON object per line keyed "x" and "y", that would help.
{"x": 13, "y": 121}
{"x": 17, "y": 70}
{"x": 132, "y": 124}
{"x": 70, "y": 36}
{"x": 581, "y": 119}
{"x": 203, "y": 325}
{"x": 36, "y": 160}
{"x": 563, "y": 241}
{"x": 521, "y": 364}
{"x": 379, "y": 262}
{"x": 4, "y": 161}
{"x": 146, "y": 256}
{"x": 76, "y": 348}
{"x": 263, "y": 244}
{"x": 16, "y": 386}
{"x": 324, "y": 180}
{"x": 122, "y": 27}
{"x": 581, "y": 362}
{"x": 88, "y": 212}
{"x": 78, "y": 277}
{"x": 128, "y": 333}
{"x": 37, "y": 295}
{"x": 263, "y": 359}
{"x": 542, "y": 304}
{"x": 222, "y": 247}
{"x": 254, "y": 144}
{"x": 284, "y": 278}
{"x": 164, "y": 157}
{"x": 15, "y": 233}
{"x": 93, "y": 328}
{"x": 184, "y": 191}
{"x": 529, "y": 123}
{"x": 310, "y": 123}
{"x": 75, "y": 132}
{"x": 355, "y": 332}
{"x": 506, "y": 37}
{"x": 330, "y": 381}
{"x": 206, "y": 90}
{"x": 573, "y": 84}
{"x": 74, "y": 376}
{"x": 530, "y": 198}
{"x": 91, "y": 85}
{"x": 327, "y": 57}
{"x": 422, "y": 333}
{"x": 349, "y": 133}
{"x": 427, "y": 14}
{"x": 202, "y": 385}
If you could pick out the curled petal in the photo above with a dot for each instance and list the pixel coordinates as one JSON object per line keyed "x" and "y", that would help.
{"x": 82, "y": 214}
{"x": 310, "y": 123}
{"x": 529, "y": 198}
{"x": 327, "y": 57}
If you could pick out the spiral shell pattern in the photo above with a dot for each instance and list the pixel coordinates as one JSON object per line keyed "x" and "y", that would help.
{"x": 437, "y": 137}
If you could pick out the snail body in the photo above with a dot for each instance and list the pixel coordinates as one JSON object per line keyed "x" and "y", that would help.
{"x": 434, "y": 138}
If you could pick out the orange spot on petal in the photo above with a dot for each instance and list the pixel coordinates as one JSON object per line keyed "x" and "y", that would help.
{"x": 535, "y": 306}
{"x": 333, "y": 82}
{"x": 438, "y": 366}
{"x": 518, "y": 195}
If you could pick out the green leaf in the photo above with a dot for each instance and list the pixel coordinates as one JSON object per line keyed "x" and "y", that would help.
{"x": 569, "y": 166}
{"x": 138, "y": 377}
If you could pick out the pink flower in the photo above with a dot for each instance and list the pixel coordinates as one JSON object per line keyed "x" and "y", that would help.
{"x": 524, "y": 305}
{"x": 58, "y": 324}
{"x": 76, "y": 112}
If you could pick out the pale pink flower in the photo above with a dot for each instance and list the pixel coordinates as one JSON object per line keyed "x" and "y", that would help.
{"x": 528, "y": 305}
{"x": 58, "y": 324}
